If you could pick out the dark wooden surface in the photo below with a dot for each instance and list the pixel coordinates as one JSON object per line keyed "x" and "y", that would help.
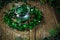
{"x": 38, "y": 33}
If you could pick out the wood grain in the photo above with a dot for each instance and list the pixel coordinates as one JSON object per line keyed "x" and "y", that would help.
{"x": 39, "y": 32}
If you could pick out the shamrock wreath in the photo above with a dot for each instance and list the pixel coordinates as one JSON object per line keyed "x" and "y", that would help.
{"x": 23, "y": 17}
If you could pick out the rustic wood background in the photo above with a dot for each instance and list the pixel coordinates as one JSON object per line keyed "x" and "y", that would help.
{"x": 38, "y": 33}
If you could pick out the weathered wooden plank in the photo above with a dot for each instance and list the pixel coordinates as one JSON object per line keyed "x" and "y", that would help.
{"x": 50, "y": 22}
{"x": 10, "y": 34}
{"x": 37, "y": 33}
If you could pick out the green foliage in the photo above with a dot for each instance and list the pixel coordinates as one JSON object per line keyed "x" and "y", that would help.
{"x": 43, "y": 1}
{"x": 46, "y": 1}
{"x": 53, "y": 32}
